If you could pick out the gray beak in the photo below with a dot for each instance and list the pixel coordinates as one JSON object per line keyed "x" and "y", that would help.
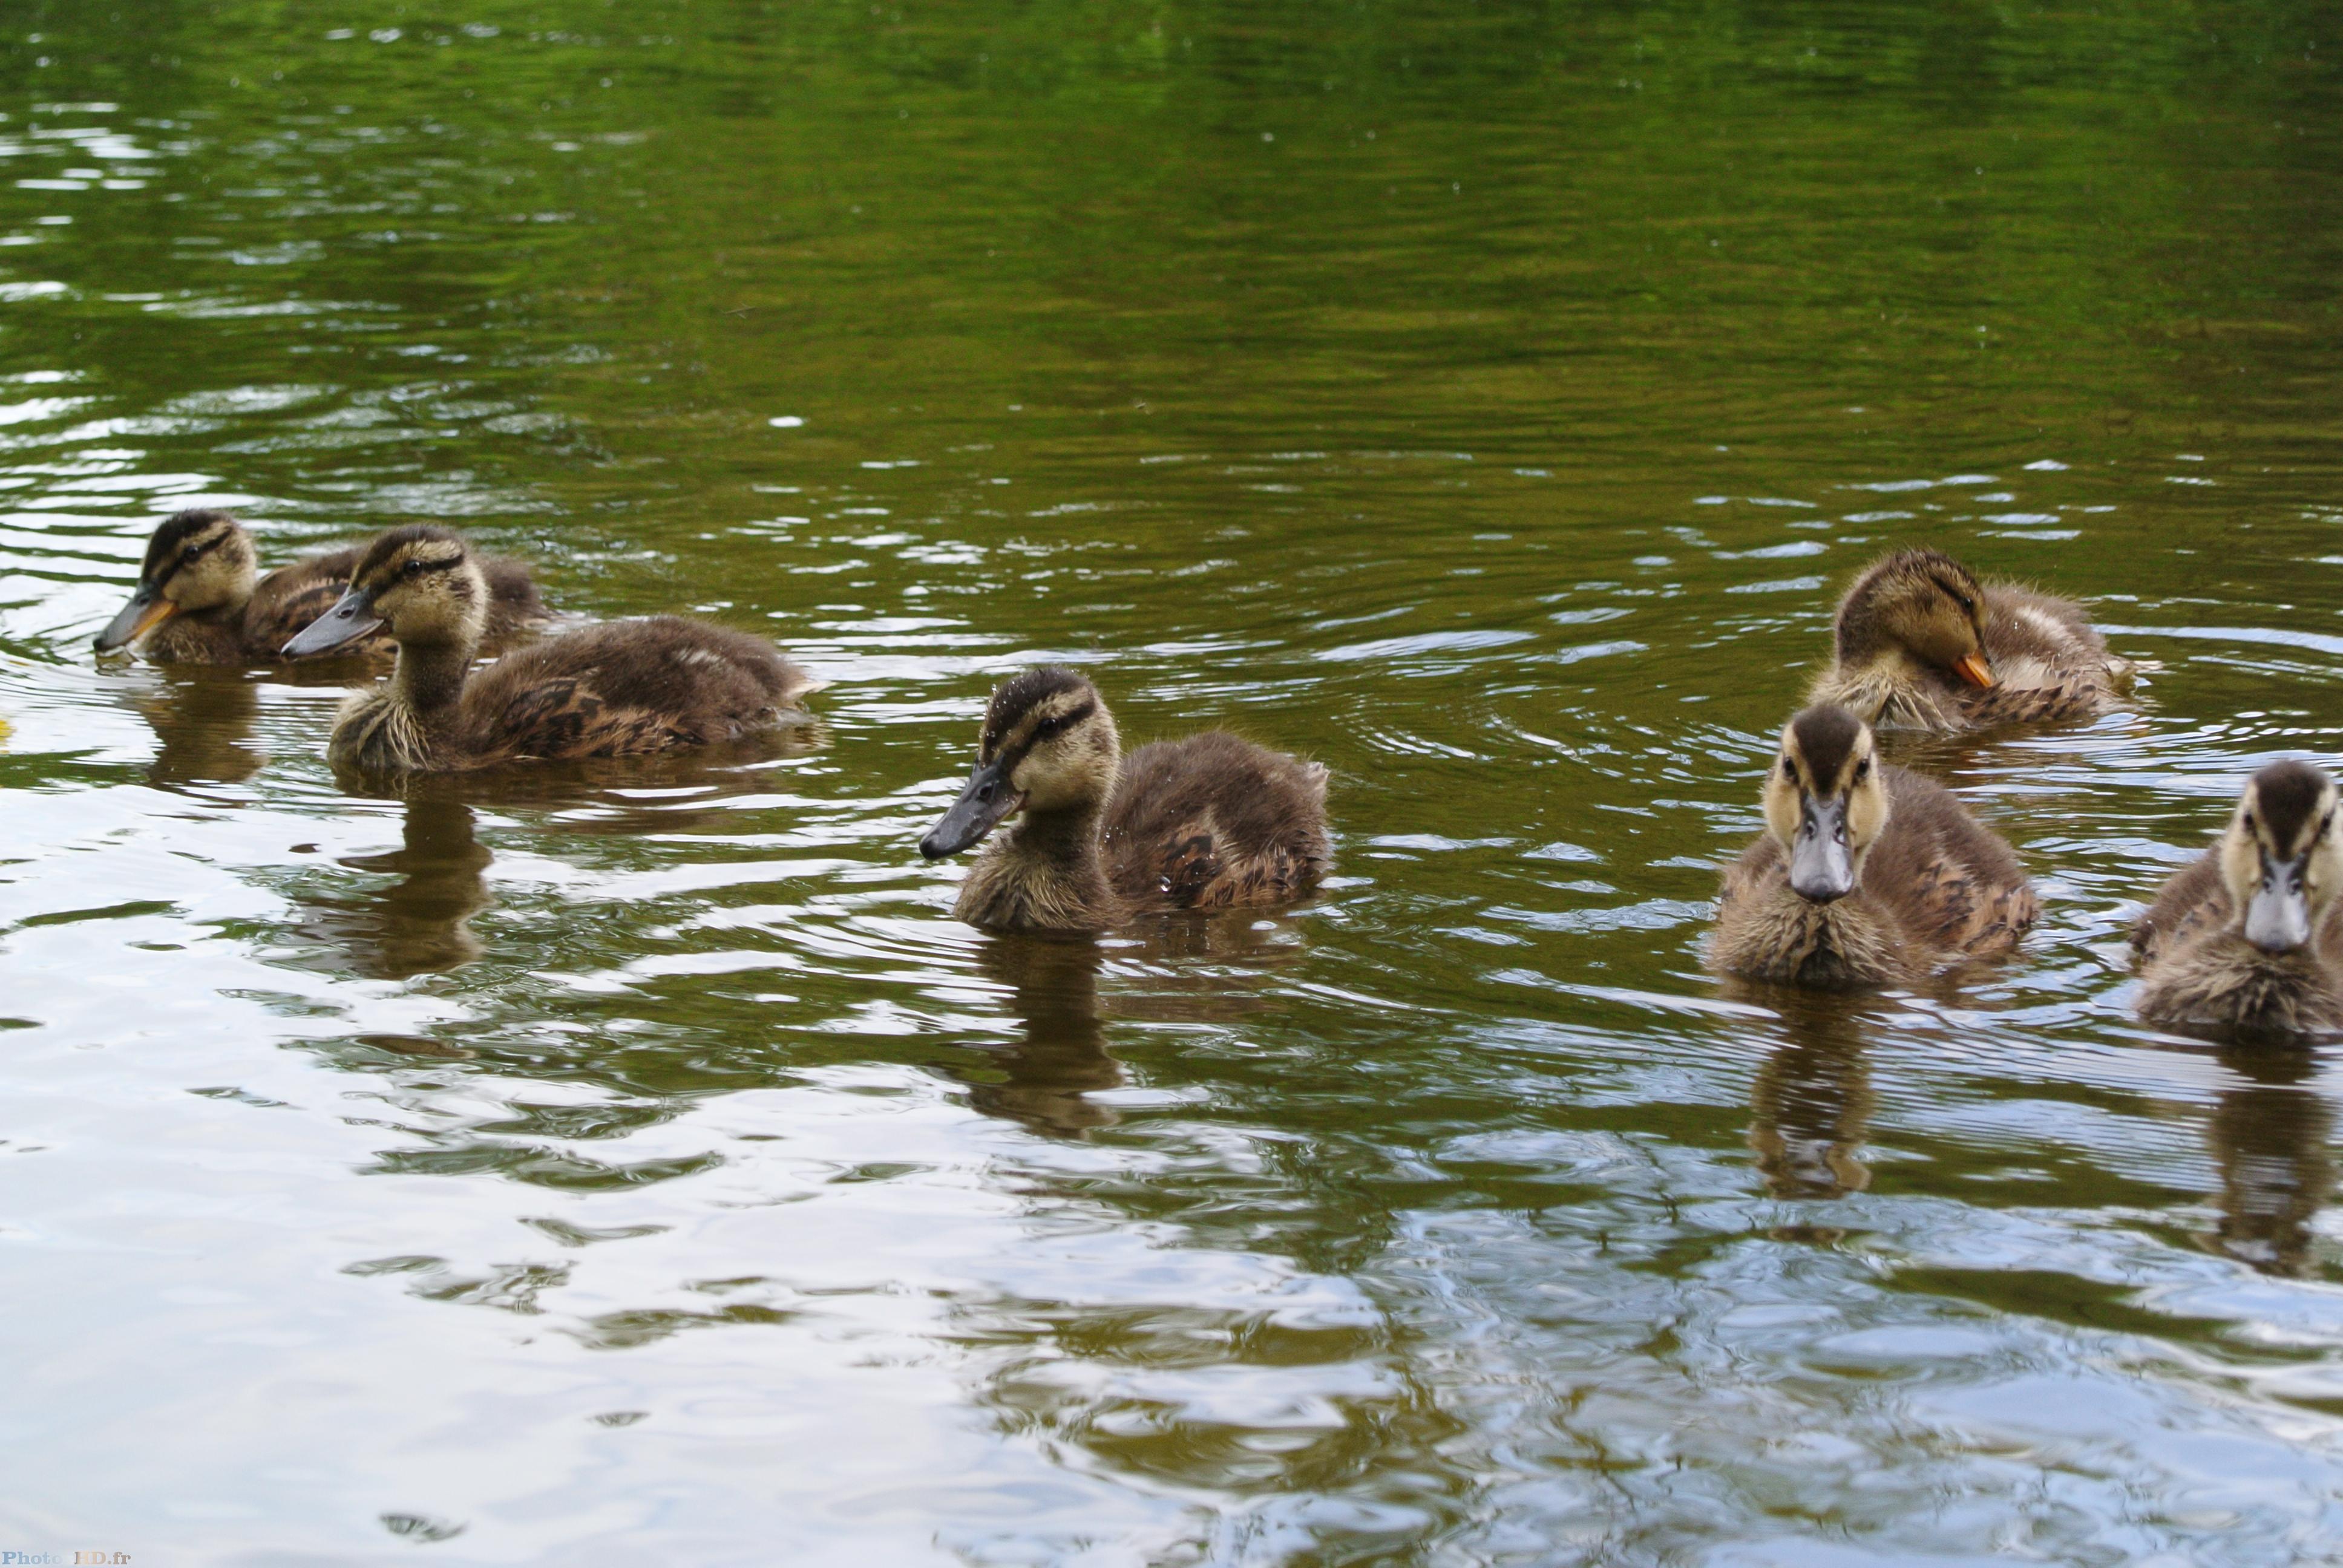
{"x": 1820, "y": 867}
{"x": 145, "y": 610}
{"x": 2278, "y": 917}
{"x": 351, "y": 617}
{"x": 980, "y": 808}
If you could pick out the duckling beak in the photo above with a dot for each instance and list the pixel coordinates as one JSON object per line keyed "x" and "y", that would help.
{"x": 146, "y": 611}
{"x": 1821, "y": 868}
{"x": 988, "y": 799}
{"x": 351, "y": 617}
{"x": 1972, "y": 668}
{"x": 2278, "y": 917}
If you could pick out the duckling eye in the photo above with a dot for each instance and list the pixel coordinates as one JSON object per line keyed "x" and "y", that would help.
{"x": 1863, "y": 771}
{"x": 193, "y": 554}
{"x": 416, "y": 568}
{"x": 1789, "y": 770}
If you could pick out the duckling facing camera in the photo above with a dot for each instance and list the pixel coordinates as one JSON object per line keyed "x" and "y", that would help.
{"x": 2244, "y": 937}
{"x": 623, "y": 689}
{"x": 200, "y": 599}
{"x": 1921, "y": 644}
{"x": 1867, "y": 874}
{"x": 1206, "y": 823}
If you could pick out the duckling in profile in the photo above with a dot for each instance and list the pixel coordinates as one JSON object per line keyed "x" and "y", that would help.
{"x": 1922, "y": 644}
{"x": 2244, "y": 937}
{"x": 1867, "y": 874}
{"x": 201, "y": 601}
{"x": 618, "y": 689}
{"x": 1204, "y": 823}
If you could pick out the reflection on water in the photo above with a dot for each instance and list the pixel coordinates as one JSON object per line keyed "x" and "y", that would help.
{"x": 2271, "y": 1135}
{"x": 1811, "y": 1104}
{"x": 203, "y": 721}
{"x": 1060, "y": 1055}
{"x": 420, "y": 923}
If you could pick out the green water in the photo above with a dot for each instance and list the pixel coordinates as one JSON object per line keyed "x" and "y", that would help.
{"x": 637, "y": 1165}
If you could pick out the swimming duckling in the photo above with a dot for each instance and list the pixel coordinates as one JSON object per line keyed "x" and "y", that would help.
{"x": 618, "y": 689}
{"x": 200, "y": 600}
{"x": 2245, "y": 936}
{"x": 1203, "y": 823}
{"x": 1922, "y": 644}
{"x": 1867, "y": 874}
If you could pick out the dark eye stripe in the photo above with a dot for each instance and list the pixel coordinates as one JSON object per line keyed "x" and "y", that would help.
{"x": 1014, "y": 754}
{"x": 1062, "y": 722}
{"x": 417, "y": 564}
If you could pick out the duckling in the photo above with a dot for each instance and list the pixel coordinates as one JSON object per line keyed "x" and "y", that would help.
{"x": 2246, "y": 935}
{"x": 1204, "y": 823}
{"x": 201, "y": 601}
{"x": 1922, "y": 644}
{"x": 621, "y": 689}
{"x": 1867, "y": 874}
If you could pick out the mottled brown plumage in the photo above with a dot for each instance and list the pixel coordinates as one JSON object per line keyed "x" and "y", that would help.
{"x": 1206, "y": 823}
{"x": 199, "y": 600}
{"x": 2250, "y": 934}
{"x": 1920, "y": 643}
{"x": 622, "y": 689}
{"x": 1867, "y": 874}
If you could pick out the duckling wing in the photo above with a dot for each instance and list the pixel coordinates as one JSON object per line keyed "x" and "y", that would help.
{"x": 2051, "y": 660}
{"x": 1948, "y": 878}
{"x": 2193, "y": 900}
{"x": 627, "y": 688}
{"x": 1214, "y": 821}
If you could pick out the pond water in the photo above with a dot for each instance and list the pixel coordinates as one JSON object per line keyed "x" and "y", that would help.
{"x": 636, "y": 1164}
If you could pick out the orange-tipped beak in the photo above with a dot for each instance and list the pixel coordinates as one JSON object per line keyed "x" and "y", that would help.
{"x": 1972, "y": 668}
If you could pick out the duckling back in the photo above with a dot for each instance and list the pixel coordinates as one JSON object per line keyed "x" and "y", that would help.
{"x": 2050, "y": 661}
{"x": 624, "y": 688}
{"x": 1214, "y": 821}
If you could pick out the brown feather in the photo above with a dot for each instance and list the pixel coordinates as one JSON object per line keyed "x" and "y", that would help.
{"x": 1214, "y": 821}
{"x": 619, "y": 689}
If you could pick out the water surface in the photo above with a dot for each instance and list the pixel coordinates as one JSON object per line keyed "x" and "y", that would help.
{"x": 635, "y": 1163}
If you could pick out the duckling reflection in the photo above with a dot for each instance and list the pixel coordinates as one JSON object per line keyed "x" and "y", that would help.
{"x": 2270, "y": 1140}
{"x": 694, "y": 790}
{"x": 1811, "y": 1104}
{"x": 420, "y": 924}
{"x": 1044, "y": 1080}
{"x": 203, "y": 721}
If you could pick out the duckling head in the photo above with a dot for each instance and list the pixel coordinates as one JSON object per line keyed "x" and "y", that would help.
{"x": 420, "y": 581}
{"x": 1048, "y": 744}
{"x": 1825, "y": 801}
{"x": 1917, "y": 606}
{"x": 2282, "y": 857}
{"x": 198, "y": 560}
